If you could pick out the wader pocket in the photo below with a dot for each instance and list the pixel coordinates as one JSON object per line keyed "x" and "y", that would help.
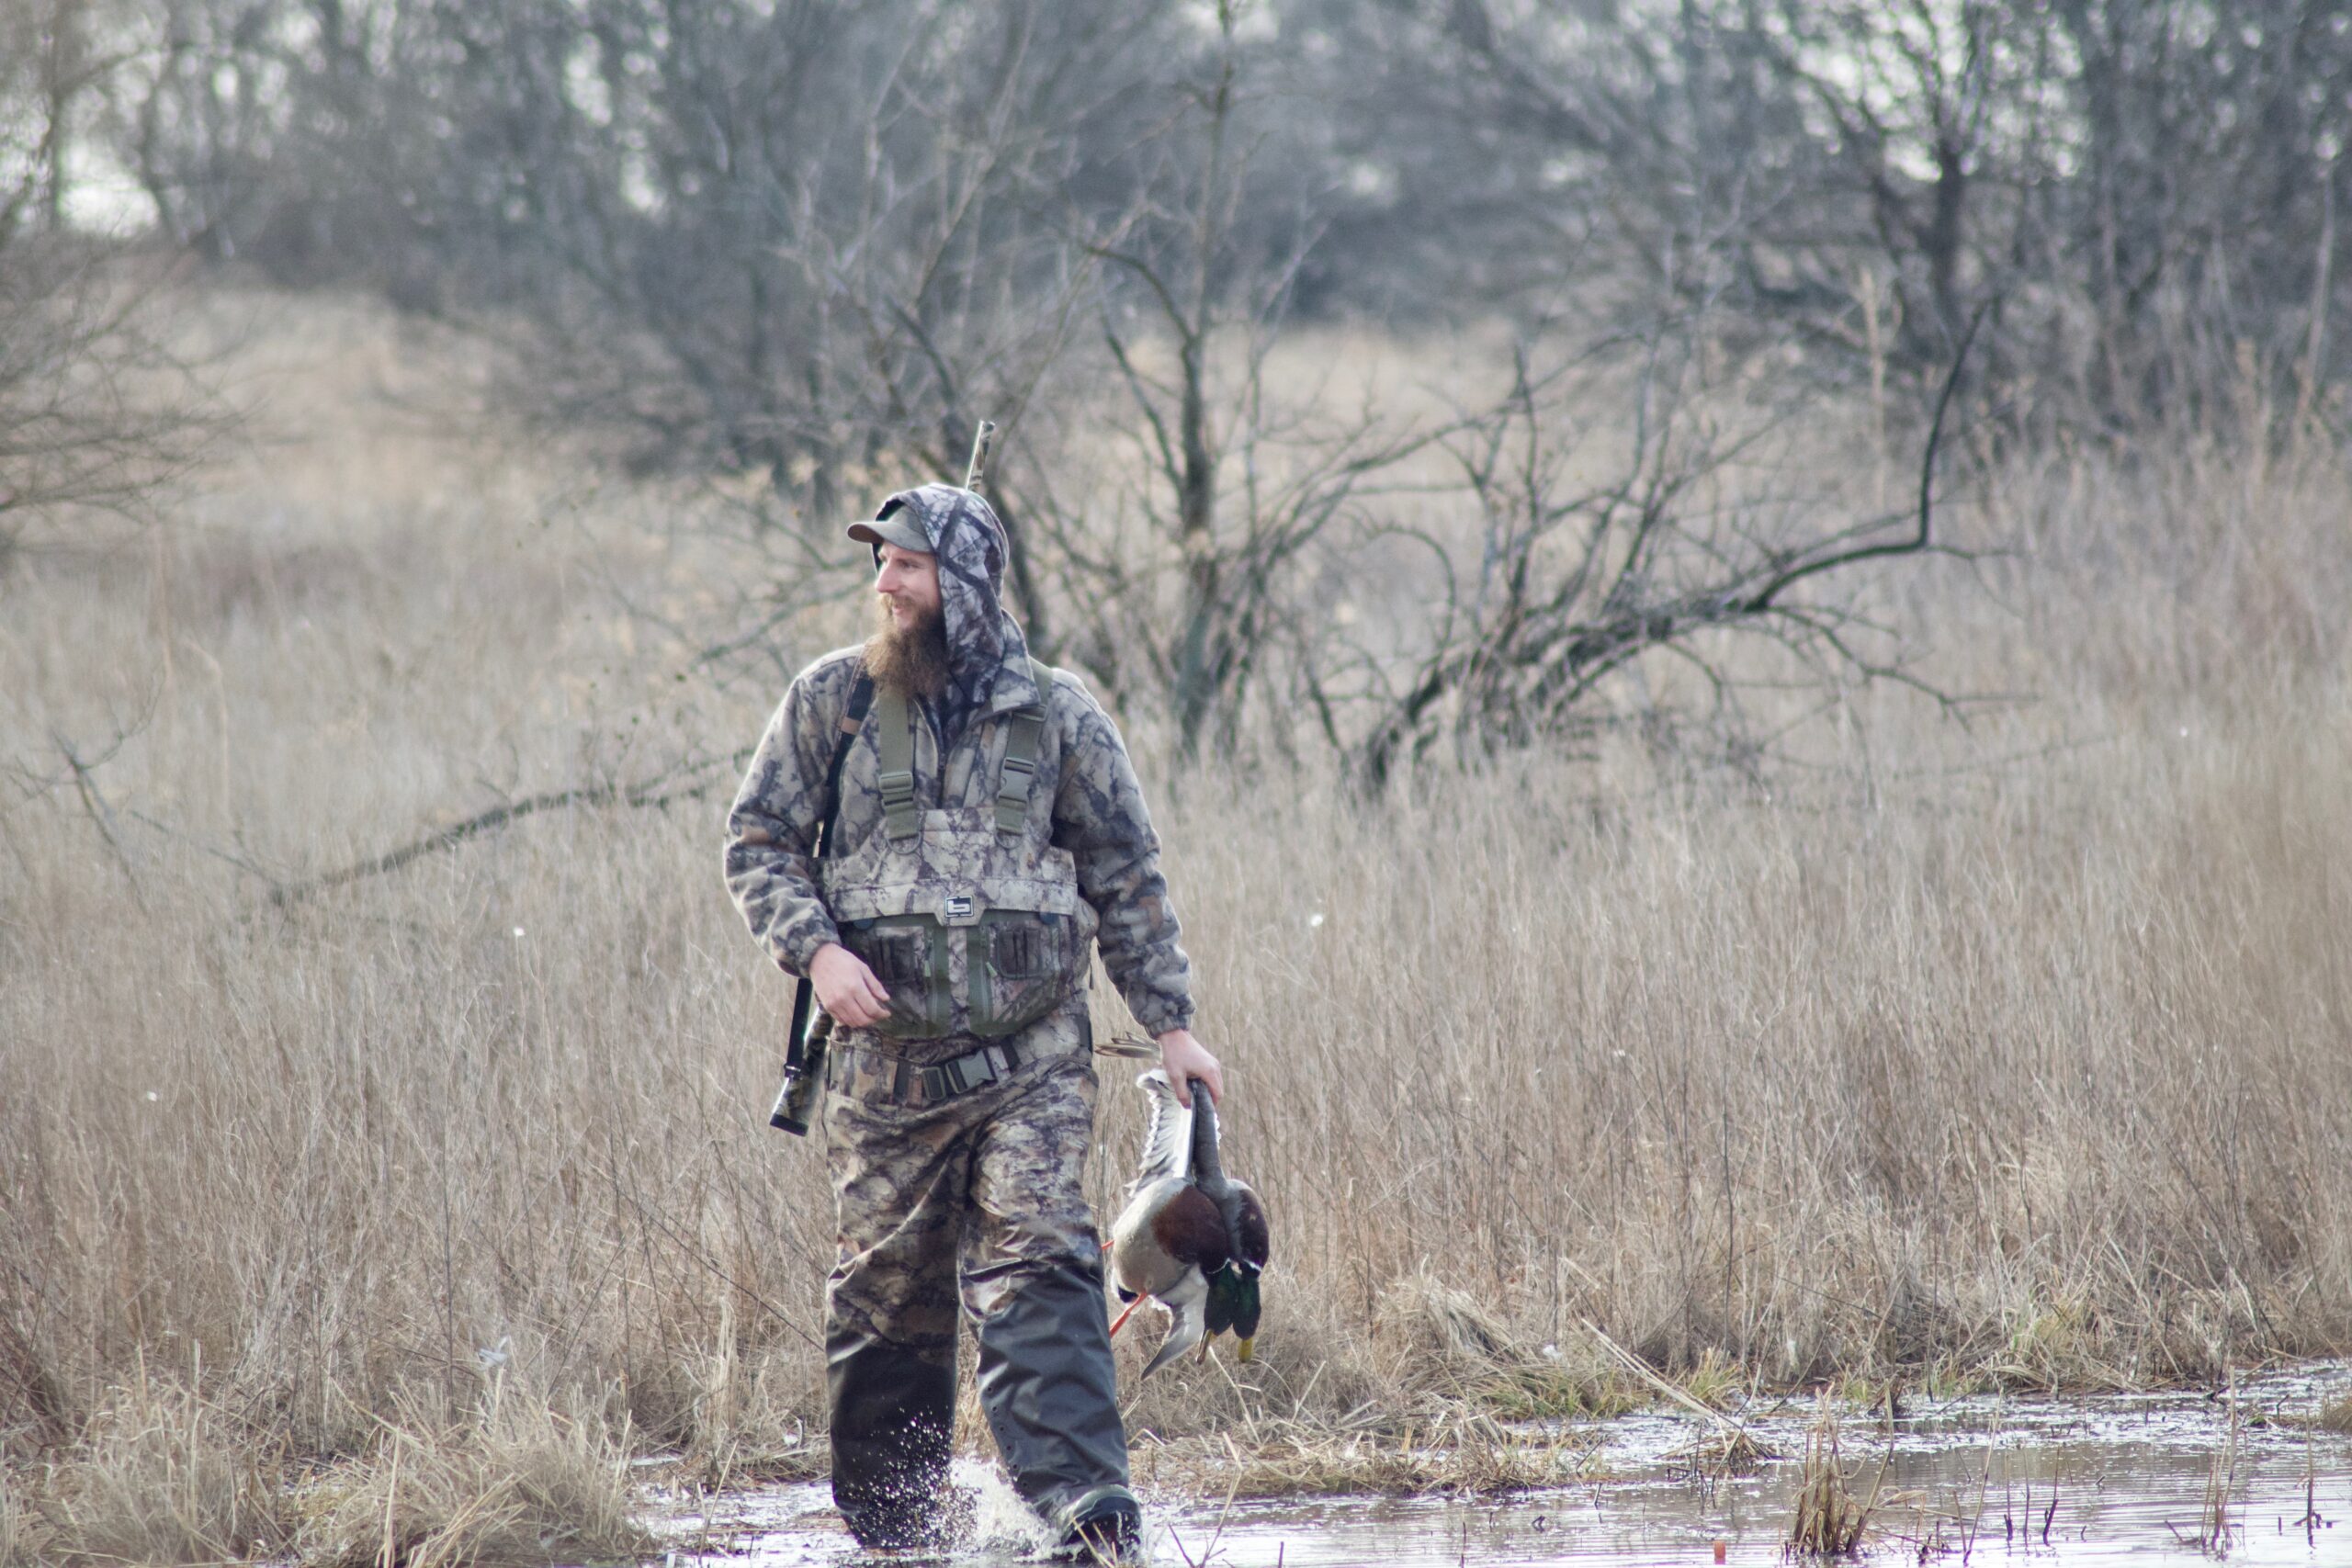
{"x": 908, "y": 956}
{"x": 1019, "y": 969}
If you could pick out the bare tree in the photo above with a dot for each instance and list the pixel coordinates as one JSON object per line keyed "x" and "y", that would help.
{"x": 1708, "y": 534}
{"x": 793, "y": 250}
{"x": 2145, "y": 187}
{"x": 95, "y": 410}
{"x": 2199, "y": 221}
{"x": 1234, "y": 490}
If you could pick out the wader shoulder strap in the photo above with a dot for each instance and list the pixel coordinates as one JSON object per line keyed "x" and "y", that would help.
{"x": 895, "y": 779}
{"x": 1025, "y": 724}
{"x": 894, "y": 734}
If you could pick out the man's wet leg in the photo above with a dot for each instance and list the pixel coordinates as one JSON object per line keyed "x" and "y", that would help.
{"x": 1033, "y": 1286}
{"x": 901, "y": 1183}
{"x": 893, "y": 1416}
{"x": 1047, "y": 1386}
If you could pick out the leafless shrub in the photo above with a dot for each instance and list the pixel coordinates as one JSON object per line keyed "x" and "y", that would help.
{"x": 784, "y": 256}
{"x": 96, "y": 412}
{"x": 1707, "y": 531}
{"x": 1241, "y": 491}
{"x": 2150, "y": 192}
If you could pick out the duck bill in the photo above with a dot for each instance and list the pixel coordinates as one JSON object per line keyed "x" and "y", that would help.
{"x": 1242, "y": 1349}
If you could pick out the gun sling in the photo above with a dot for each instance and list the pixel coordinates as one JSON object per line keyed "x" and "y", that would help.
{"x": 796, "y": 1053}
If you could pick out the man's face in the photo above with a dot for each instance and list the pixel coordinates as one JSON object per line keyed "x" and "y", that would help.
{"x": 907, "y": 584}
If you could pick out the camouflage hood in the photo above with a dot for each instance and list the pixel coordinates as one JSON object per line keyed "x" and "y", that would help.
{"x": 988, "y": 658}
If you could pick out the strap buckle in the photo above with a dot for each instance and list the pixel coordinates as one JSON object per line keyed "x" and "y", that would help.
{"x": 974, "y": 1069}
{"x": 899, "y": 818}
{"x": 1019, "y": 772}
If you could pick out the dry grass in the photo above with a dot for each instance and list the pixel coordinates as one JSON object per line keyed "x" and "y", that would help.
{"x": 2217, "y": 1525}
{"x": 1455, "y": 1351}
{"x": 2011, "y": 1053}
{"x": 518, "y": 1484}
{"x": 1829, "y": 1521}
{"x": 162, "y": 1474}
{"x": 1463, "y": 1453}
{"x": 23, "y": 1540}
{"x": 1423, "y": 1403}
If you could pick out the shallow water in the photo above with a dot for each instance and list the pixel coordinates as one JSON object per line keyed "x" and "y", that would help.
{"x": 1982, "y": 1479}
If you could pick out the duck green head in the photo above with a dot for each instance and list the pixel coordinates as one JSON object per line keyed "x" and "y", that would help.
{"x": 1233, "y": 1304}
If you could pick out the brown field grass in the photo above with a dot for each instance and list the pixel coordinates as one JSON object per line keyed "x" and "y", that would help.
{"x": 2011, "y": 1054}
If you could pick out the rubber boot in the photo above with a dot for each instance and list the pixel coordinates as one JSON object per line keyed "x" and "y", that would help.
{"x": 1046, "y": 1384}
{"x": 1102, "y": 1526}
{"x": 893, "y": 1416}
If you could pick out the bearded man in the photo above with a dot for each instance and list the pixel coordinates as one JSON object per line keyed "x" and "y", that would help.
{"x": 986, "y": 831}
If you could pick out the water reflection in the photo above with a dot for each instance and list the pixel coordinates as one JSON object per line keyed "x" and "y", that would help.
{"x": 1978, "y": 1480}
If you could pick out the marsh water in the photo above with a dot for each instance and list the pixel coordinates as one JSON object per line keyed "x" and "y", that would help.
{"x": 1977, "y": 1478}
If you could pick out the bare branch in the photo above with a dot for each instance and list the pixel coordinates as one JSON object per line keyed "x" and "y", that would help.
{"x": 690, "y": 780}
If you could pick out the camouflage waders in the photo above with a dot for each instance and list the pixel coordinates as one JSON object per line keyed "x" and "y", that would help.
{"x": 964, "y": 1166}
{"x": 979, "y": 1189}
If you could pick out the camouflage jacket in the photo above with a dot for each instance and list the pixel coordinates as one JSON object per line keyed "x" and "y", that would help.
{"x": 1084, "y": 780}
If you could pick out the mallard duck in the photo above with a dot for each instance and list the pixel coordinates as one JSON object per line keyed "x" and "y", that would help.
{"x": 1191, "y": 1237}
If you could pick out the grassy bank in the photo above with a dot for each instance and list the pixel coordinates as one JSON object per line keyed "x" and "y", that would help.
{"x": 2011, "y": 1053}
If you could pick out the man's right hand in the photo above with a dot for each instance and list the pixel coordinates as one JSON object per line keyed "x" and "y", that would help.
{"x": 846, "y": 988}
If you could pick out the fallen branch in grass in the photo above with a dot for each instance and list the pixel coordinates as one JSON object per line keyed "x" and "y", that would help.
{"x": 662, "y": 789}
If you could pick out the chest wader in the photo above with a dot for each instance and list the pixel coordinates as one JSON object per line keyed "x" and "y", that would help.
{"x": 973, "y": 922}
{"x": 974, "y": 925}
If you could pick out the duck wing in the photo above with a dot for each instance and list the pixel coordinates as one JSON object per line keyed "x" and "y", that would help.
{"x": 1187, "y": 1307}
{"x": 1141, "y": 1262}
{"x": 1168, "y": 1139}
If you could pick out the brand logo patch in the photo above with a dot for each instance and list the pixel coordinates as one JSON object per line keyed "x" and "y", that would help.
{"x": 957, "y": 907}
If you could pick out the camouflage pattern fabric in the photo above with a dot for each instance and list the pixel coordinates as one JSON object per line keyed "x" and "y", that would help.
{"x": 1019, "y": 950}
{"x": 1084, "y": 804}
{"x": 973, "y": 1201}
{"x": 982, "y": 1186}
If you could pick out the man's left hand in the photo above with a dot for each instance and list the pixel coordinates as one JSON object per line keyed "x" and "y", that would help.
{"x": 1185, "y": 1059}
